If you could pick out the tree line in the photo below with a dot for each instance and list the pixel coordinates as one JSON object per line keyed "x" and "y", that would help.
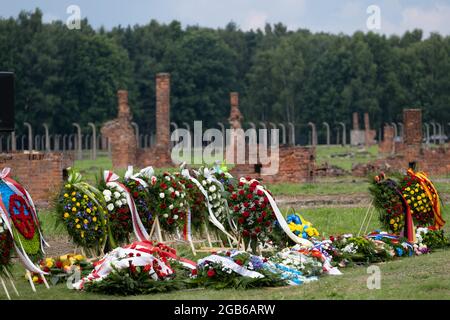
{"x": 65, "y": 76}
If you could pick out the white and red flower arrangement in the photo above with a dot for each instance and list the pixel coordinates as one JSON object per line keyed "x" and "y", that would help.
{"x": 251, "y": 211}
{"x": 171, "y": 204}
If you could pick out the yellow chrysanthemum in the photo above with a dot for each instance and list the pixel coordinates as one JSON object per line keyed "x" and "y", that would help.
{"x": 66, "y": 215}
{"x": 85, "y": 221}
{"x": 74, "y": 209}
{"x": 94, "y": 219}
{"x": 74, "y": 199}
{"x": 66, "y": 195}
{"x": 76, "y": 220}
{"x": 74, "y": 193}
{"x": 392, "y": 221}
{"x": 78, "y": 226}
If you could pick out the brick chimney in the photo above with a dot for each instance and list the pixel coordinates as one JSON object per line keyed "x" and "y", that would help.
{"x": 163, "y": 110}
{"x": 235, "y": 114}
{"x": 367, "y": 129}
{"x": 412, "y": 121}
{"x": 124, "y": 108}
{"x": 355, "y": 121}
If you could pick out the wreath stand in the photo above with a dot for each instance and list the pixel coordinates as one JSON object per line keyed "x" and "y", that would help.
{"x": 367, "y": 218}
{"x": 9, "y": 277}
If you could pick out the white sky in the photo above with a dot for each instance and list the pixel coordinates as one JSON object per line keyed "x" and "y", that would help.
{"x": 335, "y": 16}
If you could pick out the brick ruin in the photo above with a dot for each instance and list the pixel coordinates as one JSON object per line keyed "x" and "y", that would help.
{"x": 121, "y": 135}
{"x": 42, "y": 174}
{"x": 296, "y": 164}
{"x": 410, "y": 152}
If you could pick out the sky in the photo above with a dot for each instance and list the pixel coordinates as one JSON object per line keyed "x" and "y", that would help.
{"x": 347, "y": 16}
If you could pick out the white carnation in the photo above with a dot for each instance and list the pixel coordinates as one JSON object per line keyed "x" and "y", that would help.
{"x": 181, "y": 204}
{"x": 162, "y": 195}
{"x": 118, "y": 203}
{"x": 107, "y": 198}
{"x": 107, "y": 193}
{"x": 212, "y": 188}
{"x": 175, "y": 217}
{"x": 177, "y": 193}
{"x": 117, "y": 195}
{"x": 171, "y": 189}
{"x": 204, "y": 182}
{"x": 167, "y": 178}
{"x": 165, "y": 215}
{"x": 110, "y": 207}
{"x": 171, "y": 207}
{"x": 124, "y": 201}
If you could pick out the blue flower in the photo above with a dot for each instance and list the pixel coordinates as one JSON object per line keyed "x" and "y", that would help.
{"x": 399, "y": 251}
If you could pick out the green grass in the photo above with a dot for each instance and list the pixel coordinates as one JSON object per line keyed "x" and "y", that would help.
{"x": 422, "y": 277}
{"x": 360, "y": 155}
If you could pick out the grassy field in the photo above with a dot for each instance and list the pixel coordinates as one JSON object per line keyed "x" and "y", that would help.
{"x": 422, "y": 277}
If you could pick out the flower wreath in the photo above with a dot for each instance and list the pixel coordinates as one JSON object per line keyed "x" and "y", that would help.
{"x": 119, "y": 216}
{"x": 82, "y": 211}
{"x": 251, "y": 211}
{"x": 6, "y": 244}
{"x": 170, "y": 204}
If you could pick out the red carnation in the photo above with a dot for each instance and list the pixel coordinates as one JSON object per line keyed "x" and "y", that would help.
{"x": 234, "y": 196}
{"x": 241, "y": 192}
{"x": 163, "y": 206}
{"x": 241, "y": 184}
{"x": 241, "y": 220}
{"x": 267, "y": 223}
{"x": 135, "y": 194}
{"x": 262, "y": 206}
{"x": 260, "y": 219}
{"x": 170, "y": 221}
{"x": 163, "y": 186}
{"x": 147, "y": 268}
{"x": 59, "y": 264}
{"x": 245, "y": 233}
{"x": 246, "y": 214}
{"x": 194, "y": 272}
{"x": 249, "y": 196}
{"x": 257, "y": 229}
{"x": 236, "y": 209}
{"x": 253, "y": 208}
{"x": 266, "y": 199}
{"x": 239, "y": 262}
{"x": 259, "y": 193}
{"x": 246, "y": 204}
{"x": 211, "y": 273}
{"x": 264, "y": 214}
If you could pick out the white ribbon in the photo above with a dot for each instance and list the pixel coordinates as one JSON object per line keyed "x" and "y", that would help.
{"x": 226, "y": 262}
{"x": 135, "y": 177}
{"x": 281, "y": 220}
{"x": 212, "y": 217}
{"x": 138, "y": 228}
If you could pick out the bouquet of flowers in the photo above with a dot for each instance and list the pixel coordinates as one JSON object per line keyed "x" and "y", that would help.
{"x": 362, "y": 249}
{"x": 81, "y": 208}
{"x": 6, "y": 244}
{"x": 215, "y": 192}
{"x": 432, "y": 239}
{"x": 236, "y": 269}
{"x": 251, "y": 211}
{"x": 420, "y": 203}
{"x": 141, "y": 196}
{"x": 300, "y": 227}
{"x": 118, "y": 212}
{"x": 298, "y": 266}
{"x": 389, "y": 202}
{"x": 62, "y": 267}
{"x": 197, "y": 203}
{"x": 170, "y": 204}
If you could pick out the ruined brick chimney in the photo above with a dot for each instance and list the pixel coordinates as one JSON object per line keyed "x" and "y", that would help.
{"x": 412, "y": 120}
{"x": 120, "y": 134}
{"x": 355, "y": 121}
{"x": 235, "y": 114}
{"x": 163, "y": 111}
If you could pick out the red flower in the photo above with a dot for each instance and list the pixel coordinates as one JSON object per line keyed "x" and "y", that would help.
{"x": 241, "y": 184}
{"x": 135, "y": 194}
{"x": 228, "y": 253}
{"x": 246, "y": 204}
{"x": 236, "y": 209}
{"x": 234, "y": 196}
{"x": 259, "y": 193}
{"x": 246, "y": 214}
{"x": 170, "y": 221}
{"x": 147, "y": 268}
{"x": 211, "y": 273}
{"x": 163, "y": 206}
{"x": 264, "y": 214}
{"x": 59, "y": 264}
{"x": 239, "y": 262}
{"x": 253, "y": 208}
{"x": 241, "y": 192}
{"x": 268, "y": 223}
{"x": 132, "y": 267}
{"x": 260, "y": 219}
{"x": 131, "y": 254}
{"x": 245, "y": 233}
{"x": 163, "y": 186}
{"x": 249, "y": 196}
{"x": 257, "y": 229}
{"x": 262, "y": 206}
{"x": 241, "y": 220}
{"x": 194, "y": 272}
